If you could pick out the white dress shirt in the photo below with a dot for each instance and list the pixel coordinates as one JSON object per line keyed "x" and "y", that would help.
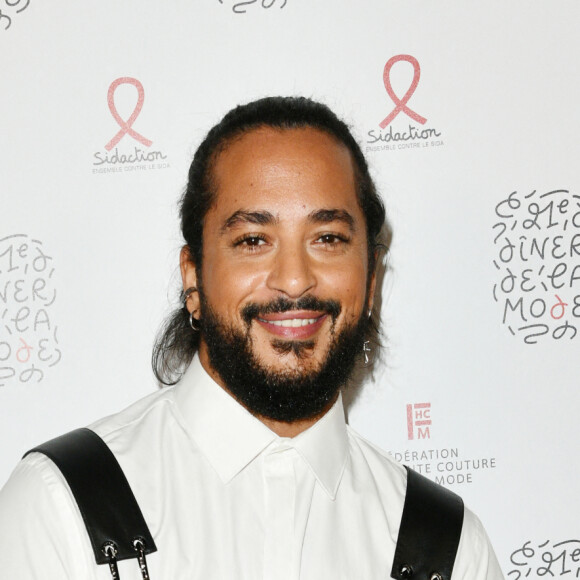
{"x": 226, "y": 498}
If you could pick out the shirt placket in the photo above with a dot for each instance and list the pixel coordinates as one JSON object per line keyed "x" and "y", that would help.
{"x": 280, "y": 497}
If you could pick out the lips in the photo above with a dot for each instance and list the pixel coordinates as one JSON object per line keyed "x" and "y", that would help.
{"x": 297, "y": 325}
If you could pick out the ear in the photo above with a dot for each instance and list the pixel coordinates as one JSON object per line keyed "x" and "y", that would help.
{"x": 189, "y": 279}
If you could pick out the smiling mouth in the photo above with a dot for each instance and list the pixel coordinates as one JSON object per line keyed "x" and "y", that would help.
{"x": 292, "y": 325}
{"x": 291, "y": 322}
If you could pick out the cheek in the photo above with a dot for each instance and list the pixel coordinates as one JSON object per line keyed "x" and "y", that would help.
{"x": 349, "y": 286}
{"x": 227, "y": 283}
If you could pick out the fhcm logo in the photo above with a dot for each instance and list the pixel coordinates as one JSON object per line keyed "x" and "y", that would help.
{"x": 419, "y": 421}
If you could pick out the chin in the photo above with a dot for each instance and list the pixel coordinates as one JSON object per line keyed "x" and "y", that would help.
{"x": 280, "y": 379}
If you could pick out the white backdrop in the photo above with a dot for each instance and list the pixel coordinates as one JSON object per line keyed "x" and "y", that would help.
{"x": 479, "y": 386}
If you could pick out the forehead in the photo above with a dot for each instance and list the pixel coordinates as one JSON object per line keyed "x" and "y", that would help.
{"x": 287, "y": 169}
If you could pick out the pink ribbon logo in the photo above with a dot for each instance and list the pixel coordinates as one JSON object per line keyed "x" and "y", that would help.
{"x": 401, "y": 104}
{"x": 126, "y": 126}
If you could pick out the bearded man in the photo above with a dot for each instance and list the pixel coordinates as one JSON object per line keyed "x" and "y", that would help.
{"x": 245, "y": 467}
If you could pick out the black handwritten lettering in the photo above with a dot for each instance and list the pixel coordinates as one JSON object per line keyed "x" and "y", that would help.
{"x": 525, "y": 279}
{"x": 31, "y": 372}
{"x": 9, "y": 253}
{"x": 4, "y": 295}
{"x": 8, "y": 22}
{"x": 5, "y": 351}
{"x": 508, "y": 283}
{"x": 29, "y": 342}
{"x": 506, "y": 253}
{"x": 513, "y": 307}
{"x": 13, "y": 3}
{"x": 41, "y": 261}
{"x": 529, "y": 338}
{"x": 534, "y": 246}
{"x": 5, "y": 374}
{"x": 576, "y": 309}
{"x": 239, "y": 7}
{"x": 6, "y": 19}
{"x": 560, "y": 332}
{"x": 575, "y": 276}
{"x": 558, "y": 271}
{"x": 19, "y": 319}
{"x": 575, "y": 245}
{"x": 501, "y": 225}
{"x": 540, "y": 272}
{"x": 513, "y": 203}
{"x": 538, "y": 308}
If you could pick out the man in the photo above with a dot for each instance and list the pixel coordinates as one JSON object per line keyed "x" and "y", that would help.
{"x": 245, "y": 468}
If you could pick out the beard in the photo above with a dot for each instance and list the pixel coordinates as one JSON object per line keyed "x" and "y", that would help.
{"x": 287, "y": 394}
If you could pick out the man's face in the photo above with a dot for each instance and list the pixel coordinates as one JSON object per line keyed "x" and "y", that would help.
{"x": 285, "y": 261}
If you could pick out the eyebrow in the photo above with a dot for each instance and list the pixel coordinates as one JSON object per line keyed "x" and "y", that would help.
{"x": 252, "y": 217}
{"x": 325, "y": 216}
{"x": 332, "y": 215}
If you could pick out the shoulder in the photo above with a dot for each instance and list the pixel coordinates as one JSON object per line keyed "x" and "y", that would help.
{"x": 40, "y": 529}
{"x": 475, "y": 556}
{"x": 40, "y": 523}
{"x": 144, "y": 410}
{"x": 381, "y": 465}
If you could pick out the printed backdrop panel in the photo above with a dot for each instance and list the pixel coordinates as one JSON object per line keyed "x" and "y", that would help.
{"x": 468, "y": 116}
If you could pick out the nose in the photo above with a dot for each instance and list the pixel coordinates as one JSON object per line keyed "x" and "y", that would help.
{"x": 291, "y": 272}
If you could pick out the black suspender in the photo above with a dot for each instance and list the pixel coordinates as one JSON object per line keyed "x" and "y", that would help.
{"x": 430, "y": 530}
{"x": 426, "y": 547}
{"x": 113, "y": 519}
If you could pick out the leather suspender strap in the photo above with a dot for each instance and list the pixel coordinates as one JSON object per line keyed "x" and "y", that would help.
{"x": 103, "y": 495}
{"x": 426, "y": 547}
{"x": 430, "y": 531}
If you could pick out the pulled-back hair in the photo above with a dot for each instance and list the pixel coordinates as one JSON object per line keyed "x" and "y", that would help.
{"x": 176, "y": 343}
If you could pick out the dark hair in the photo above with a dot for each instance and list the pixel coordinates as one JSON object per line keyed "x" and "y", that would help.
{"x": 176, "y": 343}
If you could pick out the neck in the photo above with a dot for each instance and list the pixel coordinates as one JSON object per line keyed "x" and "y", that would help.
{"x": 294, "y": 428}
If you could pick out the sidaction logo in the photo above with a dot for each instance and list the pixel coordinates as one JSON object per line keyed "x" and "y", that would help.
{"x": 403, "y": 127}
{"x": 127, "y": 156}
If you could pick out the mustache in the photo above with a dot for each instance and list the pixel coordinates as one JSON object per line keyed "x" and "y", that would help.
{"x": 281, "y": 304}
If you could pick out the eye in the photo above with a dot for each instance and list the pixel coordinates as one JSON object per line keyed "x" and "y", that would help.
{"x": 332, "y": 239}
{"x": 250, "y": 242}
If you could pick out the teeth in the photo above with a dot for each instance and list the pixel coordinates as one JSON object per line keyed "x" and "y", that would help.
{"x": 293, "y": 322}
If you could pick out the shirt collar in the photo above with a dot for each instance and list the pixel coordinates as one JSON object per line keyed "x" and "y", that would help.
{"x": 325, "y": 448}
{"x": 230, "y": 437}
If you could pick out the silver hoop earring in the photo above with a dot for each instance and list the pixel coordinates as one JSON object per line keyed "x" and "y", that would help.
{"x": 194, "y": 323}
